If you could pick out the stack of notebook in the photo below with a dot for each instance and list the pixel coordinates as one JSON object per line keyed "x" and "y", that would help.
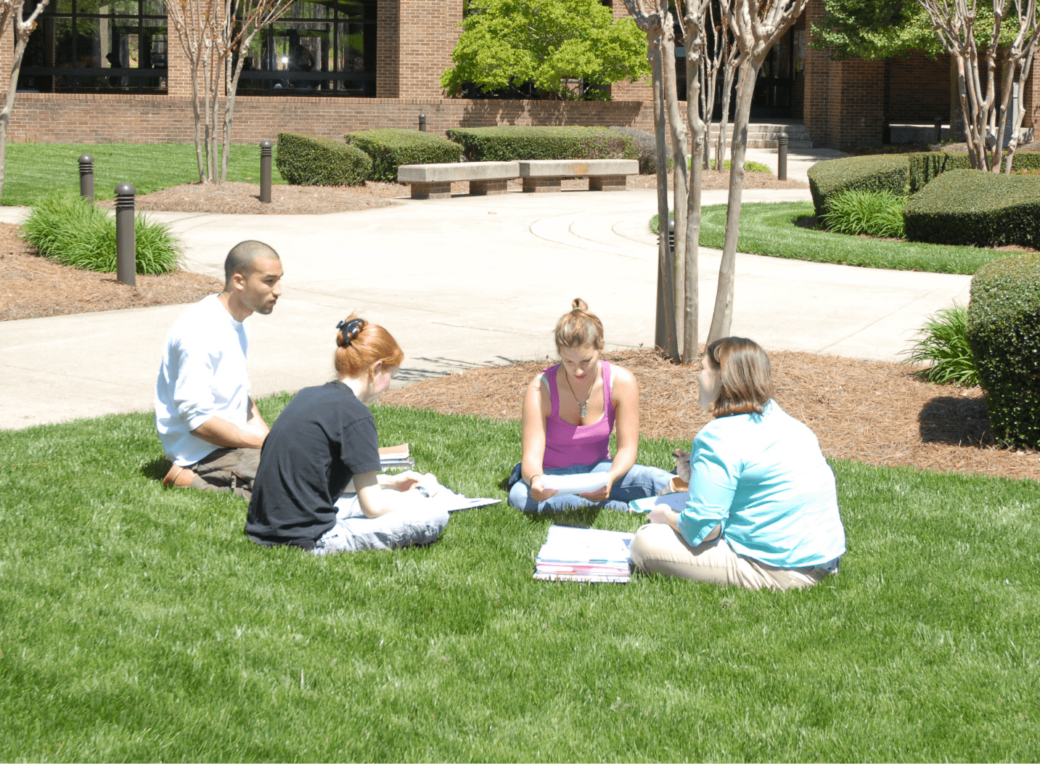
{"x": 584, "y": 554}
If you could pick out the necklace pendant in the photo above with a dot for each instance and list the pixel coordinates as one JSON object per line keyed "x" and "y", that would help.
{"x": 583, "y": 410}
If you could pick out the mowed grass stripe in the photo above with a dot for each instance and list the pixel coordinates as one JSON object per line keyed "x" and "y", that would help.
{"x": 140, "y": 625}
{"x": 769, "y": 229}
{"x": 34, "y": 170}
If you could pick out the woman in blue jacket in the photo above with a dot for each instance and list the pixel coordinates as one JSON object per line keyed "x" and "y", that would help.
{"x": 763, "y": 507}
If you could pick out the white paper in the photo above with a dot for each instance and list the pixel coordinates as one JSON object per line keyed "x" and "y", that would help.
{"x": 348, "y": 505}
{"x": 585, "y": 545}
{"x": 584, "y": 483}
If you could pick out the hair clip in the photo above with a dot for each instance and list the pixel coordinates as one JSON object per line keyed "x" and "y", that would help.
{"x": 351, "y": 329}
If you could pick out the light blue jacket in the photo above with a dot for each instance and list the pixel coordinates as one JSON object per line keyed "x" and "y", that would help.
{"x": 765, "y": 480}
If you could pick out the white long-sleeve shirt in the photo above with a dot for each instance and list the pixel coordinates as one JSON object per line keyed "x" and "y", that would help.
{"x": 203, "y": 374}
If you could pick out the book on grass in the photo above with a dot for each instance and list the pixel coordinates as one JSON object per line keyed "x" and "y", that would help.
{"x": 396, "y": 457}
{"x": 676, "y": 501}
{"x": 584, "y": 554}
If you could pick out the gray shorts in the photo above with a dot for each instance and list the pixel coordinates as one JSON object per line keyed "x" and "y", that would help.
{"x": 227, "y": 469}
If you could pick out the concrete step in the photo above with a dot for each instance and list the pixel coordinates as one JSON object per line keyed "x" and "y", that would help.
{"x": 766, "y": 135}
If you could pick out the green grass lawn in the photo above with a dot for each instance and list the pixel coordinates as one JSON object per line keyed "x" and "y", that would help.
{"x": 33, "y": 170}
{"x": 139, "y": 624}
{"x": 769, "y": 229}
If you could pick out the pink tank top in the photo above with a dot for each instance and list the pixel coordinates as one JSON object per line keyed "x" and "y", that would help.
{"x": 570, "y": 444}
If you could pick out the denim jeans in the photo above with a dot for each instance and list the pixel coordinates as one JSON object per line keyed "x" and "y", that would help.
{"x": 638, "y": 483}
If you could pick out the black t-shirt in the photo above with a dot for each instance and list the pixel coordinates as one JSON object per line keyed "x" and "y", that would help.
{"x": 321, "y": 440}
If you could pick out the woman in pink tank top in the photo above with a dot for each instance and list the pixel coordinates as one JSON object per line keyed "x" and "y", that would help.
{"x": 570, "y": 411}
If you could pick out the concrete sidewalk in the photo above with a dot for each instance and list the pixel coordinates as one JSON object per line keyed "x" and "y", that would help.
{"x": 460, "y": 283}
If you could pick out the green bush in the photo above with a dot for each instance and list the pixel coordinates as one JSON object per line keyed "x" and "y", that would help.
{"x": 925, "y": 166}
{"x": 976, "y": 208}
{"x": 874, "y": 173}
{"x": 859, "y": 212}
{"x": 944, "y": 348}
{"x": 646, "y": 149}
{"x": 543, "y": 143}
{"x": 749, "y": 165}
{"x": 1004, "y": 334}
{"x": 71, "y": 230}
{"x": 393, "y": 147}
{"x": 311, "y": 161}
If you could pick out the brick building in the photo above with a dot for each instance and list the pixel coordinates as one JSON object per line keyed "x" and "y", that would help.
{"x": 114, "y": 70}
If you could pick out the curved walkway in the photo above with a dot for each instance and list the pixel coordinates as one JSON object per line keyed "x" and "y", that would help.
{"x": 460, "y": 282}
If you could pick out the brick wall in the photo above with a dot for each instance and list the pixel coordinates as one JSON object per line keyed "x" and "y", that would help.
{"x": 626, "y": 91}
{"x": 95, "y": 118}
{"x": 918, "y": 88}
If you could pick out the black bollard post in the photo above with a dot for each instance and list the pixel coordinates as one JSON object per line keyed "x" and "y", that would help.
{"x": 265, "y": 171}
{"x": 938, "y": 129}
{"x": 126, "y": 249}
{"x": 781, "y": 160}
{"x": 422, "y": 122}
{"x": 86, "y": 177}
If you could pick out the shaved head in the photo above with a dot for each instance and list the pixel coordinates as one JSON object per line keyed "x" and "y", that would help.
{"x": 242, "y": 258}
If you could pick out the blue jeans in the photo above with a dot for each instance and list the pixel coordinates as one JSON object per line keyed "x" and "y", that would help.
{"x": 638, "y": 483}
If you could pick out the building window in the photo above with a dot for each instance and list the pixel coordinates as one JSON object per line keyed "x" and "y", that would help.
{"x": 320, "y": 48}
{"x": 112, "y": 46}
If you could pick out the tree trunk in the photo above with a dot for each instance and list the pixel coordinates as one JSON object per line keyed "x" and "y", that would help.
{"x": 722, "y": 317}
{"x": 229, "y": 106}
{"x": 665, "y": 335}
{"x": 727, "y": 92}
{"x": 691, "y": 272}
{"x": 680, "y": 177}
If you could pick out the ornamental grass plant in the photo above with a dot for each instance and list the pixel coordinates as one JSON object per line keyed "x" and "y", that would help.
{"x": 943, "y": 348}
{"x": 864, "y": 212}
{"x": 140, "y": 625}
{"x": 71, "y": 230}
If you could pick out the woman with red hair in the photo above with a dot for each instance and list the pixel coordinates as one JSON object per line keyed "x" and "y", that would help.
{"x": 324, "y": 441}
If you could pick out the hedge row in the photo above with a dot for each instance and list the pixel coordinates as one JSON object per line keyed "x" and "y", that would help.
{"x": 976, "y": 208}
{"x": 308, "y": 160}
{"x": 1004, "y": 334}
{"x": 543, "y": 143}
{"x": 393, "y": 147}
{"x": 898, "y": 174}
{"x": 872, "y": 173}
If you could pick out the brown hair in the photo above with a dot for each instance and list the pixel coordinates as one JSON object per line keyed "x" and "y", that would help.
{"x": 579, "y": 328}
{"x": 361, "y": 344}
{"x": 746, "y": 382}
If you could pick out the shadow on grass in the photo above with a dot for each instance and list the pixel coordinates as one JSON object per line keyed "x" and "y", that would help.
{"x": 581, "y": 517}
{"x": 156, "y": 469}
{"x": 956, "y": 421}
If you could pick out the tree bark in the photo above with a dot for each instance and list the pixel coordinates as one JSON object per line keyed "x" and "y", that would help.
{"x": 665, "y": 336}
{"x": 722, "y": 318}
{"x": 691, "y": 271}
{"x": 680, "y": 177}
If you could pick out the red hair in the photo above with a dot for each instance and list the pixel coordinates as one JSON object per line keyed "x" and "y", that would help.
{"x": 361, "y": 344}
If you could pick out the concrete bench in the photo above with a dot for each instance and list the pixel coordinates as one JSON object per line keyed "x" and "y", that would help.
{"x": 604, "y": 175}
{"x": 433, "y": 180}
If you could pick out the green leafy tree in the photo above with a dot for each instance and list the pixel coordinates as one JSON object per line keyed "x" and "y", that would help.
{"x": 874, "y": 29}
{"x": 567, "y": 49}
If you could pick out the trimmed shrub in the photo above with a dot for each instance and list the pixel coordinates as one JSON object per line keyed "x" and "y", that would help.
{"x": 858, "y": 212}
{"x": 943, "y": 347}
{"x": 312, "y": 161}
{"x": 393, "y": 147}
{"x": 749, "y": 165}
{"x": 874, "y": 173}
{"x": 1004, "y": 334}
{"x": 646, "y": 149}
{"x": 976, "y": 208}
{"x": 543, "y": 143}
{"x": 71, "y": 230}
{"x": 925, "y": 166}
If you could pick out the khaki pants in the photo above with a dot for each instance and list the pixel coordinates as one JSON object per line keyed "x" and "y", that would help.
{"x": 227, "y": 469}
{"x": 658, "y": 548}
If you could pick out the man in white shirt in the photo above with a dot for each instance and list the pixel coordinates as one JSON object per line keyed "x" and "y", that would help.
{"x": 209, "y": 425}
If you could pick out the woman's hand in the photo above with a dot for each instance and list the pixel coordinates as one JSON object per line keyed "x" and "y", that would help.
{"x": 663, "y": 514}
{"x": 538, "y": 491}
{"x": 602, "y": 494}
{"x": 403, "y": 480}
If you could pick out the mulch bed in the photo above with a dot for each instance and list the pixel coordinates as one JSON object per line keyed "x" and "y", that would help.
{"x": 34, "y": 286}
{"x": 874, "y": 412}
